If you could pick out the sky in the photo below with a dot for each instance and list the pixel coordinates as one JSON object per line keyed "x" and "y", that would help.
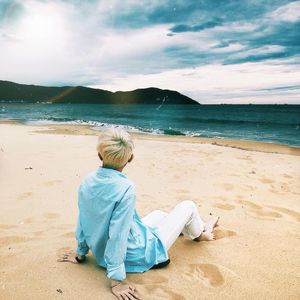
{"x": 214, "y": 51}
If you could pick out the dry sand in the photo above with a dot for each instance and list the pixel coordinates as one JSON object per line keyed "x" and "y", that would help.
{"x": 256, "y": 194}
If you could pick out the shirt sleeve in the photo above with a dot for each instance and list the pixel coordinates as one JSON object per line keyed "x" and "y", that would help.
{"x": 82, "y": 247}
{"x": 116, "y": 247}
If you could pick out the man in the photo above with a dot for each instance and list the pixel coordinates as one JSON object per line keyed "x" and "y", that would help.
{"x": 110, "y": 227}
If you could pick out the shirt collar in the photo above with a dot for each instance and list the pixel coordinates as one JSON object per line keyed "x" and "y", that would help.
{"x": 110, "y": 172}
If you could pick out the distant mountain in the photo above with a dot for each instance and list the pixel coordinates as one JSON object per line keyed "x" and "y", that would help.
{"x": 10, "y": 91}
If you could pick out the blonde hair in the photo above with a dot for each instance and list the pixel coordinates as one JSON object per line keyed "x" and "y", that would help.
{"x": 115, "y": 146}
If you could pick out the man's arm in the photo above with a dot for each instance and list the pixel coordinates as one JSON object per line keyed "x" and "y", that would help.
{"x": 82, "y": 247}
{"x": 119, "y": 226}
{"x": 116, "y": 246}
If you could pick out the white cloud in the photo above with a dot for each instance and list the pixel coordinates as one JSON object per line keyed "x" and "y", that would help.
{"x": 58, "y": 42}
{"x": 269, "y": 49}
{"x": 55, "y": 42}
{"x": 235, "y": 27}
{"x": 287, "y": 13}
{"x": 230, "y": 48}
{"x": 218, "y": 83}
{"x": 41, "y": 43}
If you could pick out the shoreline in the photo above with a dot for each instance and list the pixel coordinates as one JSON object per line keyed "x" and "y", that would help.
{"x": 249, "y": 145}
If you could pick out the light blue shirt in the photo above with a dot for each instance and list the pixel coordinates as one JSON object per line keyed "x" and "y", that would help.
{"x": 110, "y": 227}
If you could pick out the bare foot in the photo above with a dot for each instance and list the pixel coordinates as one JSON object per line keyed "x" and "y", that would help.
{"x": 207, "y": 234}
{"x": 211, "y": 224}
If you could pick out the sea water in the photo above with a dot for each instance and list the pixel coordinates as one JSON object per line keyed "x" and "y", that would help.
{"x": 268, "y": 123}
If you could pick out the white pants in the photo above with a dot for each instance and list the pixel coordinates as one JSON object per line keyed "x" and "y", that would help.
{"x": 184, "y": 218}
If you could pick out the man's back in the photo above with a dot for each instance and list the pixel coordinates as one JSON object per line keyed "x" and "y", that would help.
{"x": 109, "y": 225}
{"x": 98, "y": 195}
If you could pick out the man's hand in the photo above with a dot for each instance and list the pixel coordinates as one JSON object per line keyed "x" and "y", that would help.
{"x": 71, "y": 257}
{"x": 125, "y": 291}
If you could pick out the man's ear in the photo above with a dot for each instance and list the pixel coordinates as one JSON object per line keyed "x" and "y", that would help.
{"x": 99, "y": 155}
{"x": 131, "y": 158}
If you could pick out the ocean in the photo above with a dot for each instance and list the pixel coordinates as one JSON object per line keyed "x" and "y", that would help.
{"x": 269, "y": 123}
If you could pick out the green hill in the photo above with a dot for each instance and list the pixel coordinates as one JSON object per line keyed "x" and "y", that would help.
{"x": 14, "y": 92}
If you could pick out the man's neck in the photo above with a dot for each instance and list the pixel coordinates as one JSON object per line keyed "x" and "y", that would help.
{"x": 108, "y": 167}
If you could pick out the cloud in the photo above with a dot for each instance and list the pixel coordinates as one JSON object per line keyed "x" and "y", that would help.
{"x": 199, "y": 27}
{"x": 287, "y": 13}
{"x": 55, "y": 43}
{"x": 228, "y": 47}
{"x": 216, "y": 83}
{"x": 127, "y": 44}
{"x": 261, "y": 52}
{"x": 282, "y": 88}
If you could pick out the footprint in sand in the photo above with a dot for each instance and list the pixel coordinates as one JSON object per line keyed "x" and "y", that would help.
{"x": 51, "y": 215}
{"x": 282, "y": 189}
{"x": 249, "y": 187}
{"x": 266, "y": 180}
{"x": 287, "y": 211}
{"x": 162, "y": 293}
{"x": 155, "y": 284}
{"x": 183, "y": 191}
{"x": 234, "y": 175}
{"x": 223, "y": 198}
{"x": 228, "y": 186}
{"x": 259, "y": 210}
{"x": 28, "y": 220}
{"x": 272, "y": 214}
{"x": 39, "y": 233}
{"x": 287, "y": 176}
{"x": 69, "y": 235}
{"x": 223, "y": 233}
{"x": 150, "y": 277}
{"x": 37, "y": 219}
{"x": 208, "y": 274}
{"x": 285, "y": 187}
{"x": 52, "y": 182}
{"x": 5, "y": 226}
{"x": 24, "y": 196}
{"x": 224, "y": 206}
{"x": 13, "y": 239}
{"x": 249, "y": 204}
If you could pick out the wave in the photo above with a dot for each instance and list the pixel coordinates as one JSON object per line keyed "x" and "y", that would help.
{"x": 98, "y": 126}
{"x": 234, "y": 133}
{"x": 173, "y": 132}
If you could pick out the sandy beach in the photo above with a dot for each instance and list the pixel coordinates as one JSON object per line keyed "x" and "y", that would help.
{"x": 253, "y": 187}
